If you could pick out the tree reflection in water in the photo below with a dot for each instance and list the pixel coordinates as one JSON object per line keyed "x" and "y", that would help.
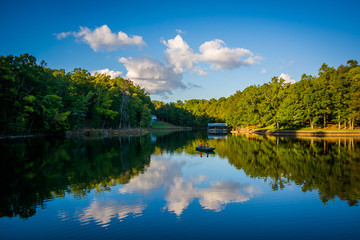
{"x": 37, "y": 170}
{"x": 34, "y": 171}
{"x": 329, "y": 165}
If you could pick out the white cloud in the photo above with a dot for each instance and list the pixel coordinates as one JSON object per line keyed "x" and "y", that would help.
{"x": 263, "y": 71}
{"x": 287, "y": 78}
{"x": 103, "y": 39}
{"x": 154, "y": 76}
{"x": 222, "y": 57}
{"x": 199, "y": 71}
{"x": 111, "y": 73}
{"x": 62, "y": 35}
{"x": 162, "y": 78}
{"x": 179, "y": 54}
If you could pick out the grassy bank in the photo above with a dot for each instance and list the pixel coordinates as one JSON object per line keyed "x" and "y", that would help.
{"x": 159, "y": 125}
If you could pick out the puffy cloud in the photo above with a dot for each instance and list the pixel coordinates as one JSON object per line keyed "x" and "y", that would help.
{"x": 222, "y": 57}
{"x": 153, "y": 75}
{"x": 179, "y": 54}
{"x": 287, "y": 78}
{"x": 162, "y": 78}
{"x": 103, "y": 39}
{"x": 111, "y": 73}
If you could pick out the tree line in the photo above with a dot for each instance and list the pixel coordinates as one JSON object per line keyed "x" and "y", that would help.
{"x": 35, "y": 98}
{"x": 332, "y": 97}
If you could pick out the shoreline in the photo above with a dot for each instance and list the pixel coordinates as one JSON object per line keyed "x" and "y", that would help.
{"x": 96, "y": 133}
{"x": 85, "y": 133}
{"x": 107, "y": 132}
{"x": 141, "y": 132}
{"x": 302, "y": 133}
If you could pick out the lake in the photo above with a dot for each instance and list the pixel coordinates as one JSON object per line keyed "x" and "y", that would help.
{"x": 158, "y": 187}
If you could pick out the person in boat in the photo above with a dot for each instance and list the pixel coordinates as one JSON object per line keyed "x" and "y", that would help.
{"x": 200, "y": 144}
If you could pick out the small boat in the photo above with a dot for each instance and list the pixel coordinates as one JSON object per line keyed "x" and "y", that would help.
{"x": 204, "y": 149}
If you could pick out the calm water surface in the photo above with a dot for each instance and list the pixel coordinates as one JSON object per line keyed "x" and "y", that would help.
{"x": 159, "y": 187}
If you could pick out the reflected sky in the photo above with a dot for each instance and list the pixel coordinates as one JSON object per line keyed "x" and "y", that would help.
{"x": 178, "y": 180}
{"x": 102, "y": 211}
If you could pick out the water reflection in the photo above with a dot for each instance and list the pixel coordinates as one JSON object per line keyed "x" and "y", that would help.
{"x": 102, "y": 211}
{"x": 168, "y": 167}
{"x": 329, "y": 165}
{"x": 179, "y": 192}
{"x": 36, "y": 170}
{"x": 214, "y": 197}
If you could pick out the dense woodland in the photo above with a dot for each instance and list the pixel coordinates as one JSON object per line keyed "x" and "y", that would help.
{"x": 333, "y": 97}
{"x": 35, "y": 98}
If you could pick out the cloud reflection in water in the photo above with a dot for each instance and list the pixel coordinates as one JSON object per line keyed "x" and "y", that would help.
{"x": 102, "y": 211}
{"x": 180, "y": 192}
{"x": 214, "y": 197}
{"x": 167, "y": 176}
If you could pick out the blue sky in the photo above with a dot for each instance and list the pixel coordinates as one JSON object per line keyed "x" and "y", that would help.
{"x": 181, "y": 50}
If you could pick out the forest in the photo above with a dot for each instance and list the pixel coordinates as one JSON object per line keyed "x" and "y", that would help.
{"x": 331, "y": 98}
{"x": 37, "y": 99}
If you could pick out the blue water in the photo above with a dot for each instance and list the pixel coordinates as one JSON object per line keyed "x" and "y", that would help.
{"x": 178, "y": 194}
